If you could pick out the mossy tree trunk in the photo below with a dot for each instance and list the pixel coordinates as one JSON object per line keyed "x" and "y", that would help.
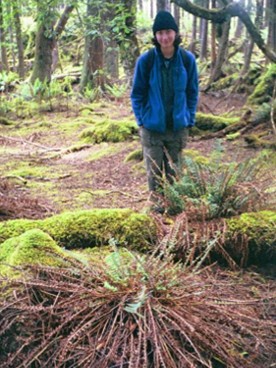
{"x": 44, "y": 43}
{"x": 46, "y": 39}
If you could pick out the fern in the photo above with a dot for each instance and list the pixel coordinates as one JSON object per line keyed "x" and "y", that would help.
{"x": 223, "y": 189}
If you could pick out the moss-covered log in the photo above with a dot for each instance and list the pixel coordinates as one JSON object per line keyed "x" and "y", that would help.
{"x": 213, "y": 123}
{"x": 109, "y": 131}
{"x": 251, "y": 238}
{"x": 82, "y": 229}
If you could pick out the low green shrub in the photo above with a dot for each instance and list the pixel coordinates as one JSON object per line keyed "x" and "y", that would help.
{"x": 218, "y": 189}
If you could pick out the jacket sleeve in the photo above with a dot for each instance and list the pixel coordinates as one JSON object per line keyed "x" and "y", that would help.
{"x": 192, "y": 89}
{"x": 139, "y": 92}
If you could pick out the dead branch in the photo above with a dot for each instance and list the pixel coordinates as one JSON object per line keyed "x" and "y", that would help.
{"x": 23, "y": 141}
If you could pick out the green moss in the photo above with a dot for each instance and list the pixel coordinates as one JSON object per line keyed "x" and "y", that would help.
{"x": 89, "y": 228}
{"x": 254, "y": 141}
{"x": 31, "y": 247}
{"x": 196, "y": 156}
{"x": 109, "y": 131}
{"x": 233, "y": 136}
{"x": 212, "y": 122}
{"x": 226, "y": 82}
{"x": 264, "y": 89}
{"x": 103, "y": 150}
{"x": 5, "y": 121}
{"x": 136, "y": 155}
{"x": 258, "y": 229}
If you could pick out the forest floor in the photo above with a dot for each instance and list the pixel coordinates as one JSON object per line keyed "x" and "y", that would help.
{"x": 41, "y": 175}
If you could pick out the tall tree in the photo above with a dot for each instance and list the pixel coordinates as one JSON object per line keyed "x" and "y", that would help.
{"x": 19, "y": 41}
{"x": 128, "y": 42}
{"x": 162, "y": 5}
{"x": 4, "y": 65}
{"x": 271, "y": 11}
{"x": 222, "y": 53}
{"x": 213, "y": 39}
{"x": 44, "y": 44}
{"x": 92, "y": 71}
{"x": 204, "y": 33}
{"x": 46, "y": 37}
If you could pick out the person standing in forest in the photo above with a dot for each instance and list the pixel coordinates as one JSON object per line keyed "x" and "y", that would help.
{"x": 164, "y": 98}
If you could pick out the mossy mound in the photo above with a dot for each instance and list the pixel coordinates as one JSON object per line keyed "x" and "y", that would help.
{"x": 5, "y": 121}
{"x": 225, "y": 82}
{"x": 109, "y": 131}
{"x": 264, "y": 89}
{"x": 251, "y": 238}
{"x": 31, "y": 247}
{"x": 82, "y": 229}
{"x": 213, "y": 123}
{"x": 136, "y": 155}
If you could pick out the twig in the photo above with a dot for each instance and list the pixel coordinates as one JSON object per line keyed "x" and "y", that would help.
{"x": 28, "y": 142}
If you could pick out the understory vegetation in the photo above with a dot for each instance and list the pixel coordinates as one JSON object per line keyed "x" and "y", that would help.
{"x": 89, "y": 276}
{"x": 140, "y": 311}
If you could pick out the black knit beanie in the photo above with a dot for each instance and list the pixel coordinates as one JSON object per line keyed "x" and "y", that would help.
{"x": 164, "y": 20}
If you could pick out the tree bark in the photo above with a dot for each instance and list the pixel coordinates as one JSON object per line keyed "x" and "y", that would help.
{"x": 162, "y": 5}
{"x": 129, "y": 47}
{"x": 4, "y": 65}
{"x": 271, "y": 10}
{"x": 223, "y": 14}
{"x": 204, "y": 34}
{"x": 43, "y": 56}
{"x": 213, "y": 40}
{"x": 19, "y": 41}
{"x": 92, "y": 74}
{"x": 222, "y": 53}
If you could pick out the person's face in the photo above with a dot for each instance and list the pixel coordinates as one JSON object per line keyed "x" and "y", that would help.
{"x": 165, "y": 37}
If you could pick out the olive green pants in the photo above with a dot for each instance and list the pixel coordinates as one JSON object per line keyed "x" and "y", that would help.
{"x": 162, "y": 154}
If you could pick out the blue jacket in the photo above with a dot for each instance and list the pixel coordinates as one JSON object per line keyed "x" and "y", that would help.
{"x": 146, "y": 94}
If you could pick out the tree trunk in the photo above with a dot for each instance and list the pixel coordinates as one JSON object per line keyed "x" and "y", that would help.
{"x": 11, "y": 36}
{"x": 213, "y": 39}
{"x": 204, "y": 34}
{"x": 162, "y": 5}
{"x": 271, "y": 10}
{"x": 92, "y": 71}
{"x": 177, "y": 15}
{"x": 44, "y": 42}
{"x": 19, "y": 42}
{"x": 4, "y": 65}
{"x": 58, "y": 30}
{"x": 192, "y": 46}
{"x": 222, "y": 53}
{"x": 129, "y": 47}
{"x": 249, "y": 45}
{"x": 240, "y": 26}
{"x": 43, "y": 55}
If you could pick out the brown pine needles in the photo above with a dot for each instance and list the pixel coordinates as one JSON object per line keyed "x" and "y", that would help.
{"x": 137, "y": 312}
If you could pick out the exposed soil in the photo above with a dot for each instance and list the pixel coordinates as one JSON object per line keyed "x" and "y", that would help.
{"x": 78, "y": 183}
